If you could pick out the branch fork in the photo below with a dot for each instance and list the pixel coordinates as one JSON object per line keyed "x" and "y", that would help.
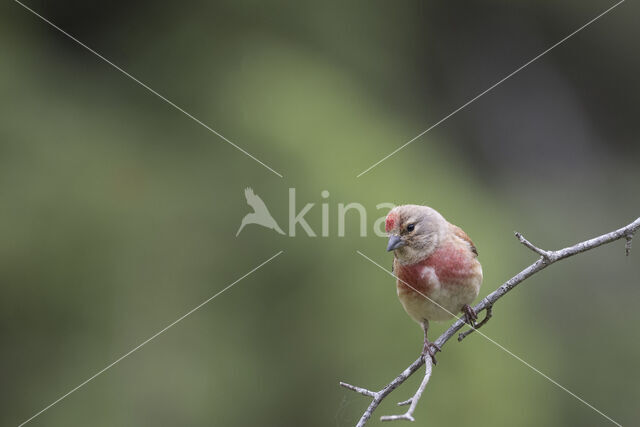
{"x": 413, "y": 402}
{"x": 546, "y": 255}
{"x": 546, "y": 258}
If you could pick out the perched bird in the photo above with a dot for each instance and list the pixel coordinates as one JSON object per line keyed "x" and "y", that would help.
{"x": 260, "y": 214}
{"x": 436, "y": 265}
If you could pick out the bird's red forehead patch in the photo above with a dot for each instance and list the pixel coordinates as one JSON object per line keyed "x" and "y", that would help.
{"x": 390, "y": 222}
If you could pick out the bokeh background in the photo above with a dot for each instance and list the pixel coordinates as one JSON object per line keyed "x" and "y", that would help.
{"x": 118, "y": 213}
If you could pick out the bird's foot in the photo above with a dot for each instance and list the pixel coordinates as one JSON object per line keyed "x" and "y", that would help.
{"x": 476, "y": 326}
{"x": 430, "y": 349}
{"x": 470, "y": 315}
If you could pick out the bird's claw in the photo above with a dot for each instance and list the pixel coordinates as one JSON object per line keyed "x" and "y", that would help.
{"x": 470, "y": 315}
{"x": 488, "y": 314}
{"x": 430, "y": 349}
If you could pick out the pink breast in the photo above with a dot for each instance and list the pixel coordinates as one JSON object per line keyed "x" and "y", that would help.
{"x": 448, "y": 265}
{"x": 451, "y": 263}
{"x": 412, "y": 278}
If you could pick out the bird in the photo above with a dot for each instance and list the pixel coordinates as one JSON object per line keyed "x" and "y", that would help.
{"x": 436, "y": 266}
{"x": 260, "y": 214}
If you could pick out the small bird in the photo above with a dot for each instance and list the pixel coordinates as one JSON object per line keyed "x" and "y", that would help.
{"x": 435, "y": 262}
{"x": 260, "y": 214}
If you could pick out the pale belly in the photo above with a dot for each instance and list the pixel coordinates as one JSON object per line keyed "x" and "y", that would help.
{"x": 444, "y": 299}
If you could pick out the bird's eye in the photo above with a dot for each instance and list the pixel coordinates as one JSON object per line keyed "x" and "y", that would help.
{"x": 411, "y": 227}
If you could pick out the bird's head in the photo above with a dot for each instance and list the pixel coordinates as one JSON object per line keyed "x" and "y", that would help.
{"x": 414, "y": 232}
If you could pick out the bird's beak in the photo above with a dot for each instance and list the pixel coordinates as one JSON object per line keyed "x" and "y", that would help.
{"x": 395, "y": 242}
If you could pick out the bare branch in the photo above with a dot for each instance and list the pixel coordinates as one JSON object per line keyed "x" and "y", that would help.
{"x": 405, "y": 402}
{"x": 531, "y": 246}
{"x": 547, "y": 258}
{"x": 416, "y": 397}
{"x": 379, "y": 396}
{"x": 359, "y": 390}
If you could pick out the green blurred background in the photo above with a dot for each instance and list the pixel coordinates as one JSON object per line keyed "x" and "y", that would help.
{"x": 118, "y": 213}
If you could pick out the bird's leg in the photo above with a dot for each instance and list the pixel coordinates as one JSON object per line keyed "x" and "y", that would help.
{"x": 429, "y": 348}
{"x": 470, "y": 315}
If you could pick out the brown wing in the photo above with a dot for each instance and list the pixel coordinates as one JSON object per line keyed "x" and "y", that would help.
{"x": 461, "y": 234}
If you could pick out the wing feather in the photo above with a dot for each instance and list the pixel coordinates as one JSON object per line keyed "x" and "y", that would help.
{"x": 461, "y": 234}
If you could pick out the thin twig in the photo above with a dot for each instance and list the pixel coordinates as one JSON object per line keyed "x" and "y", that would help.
{"x": 405, "y": 402}
{"x": 359, "y": 389}
{"x": 547, "y": 258}
{"x": 531, "y": 246}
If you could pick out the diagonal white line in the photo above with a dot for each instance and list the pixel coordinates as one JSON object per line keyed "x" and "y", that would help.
{"x": 161, "y": 331}
{"x": 490, "y": 88}
{"x": 149, "y": 89}
{"x": 498, "y": 345}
